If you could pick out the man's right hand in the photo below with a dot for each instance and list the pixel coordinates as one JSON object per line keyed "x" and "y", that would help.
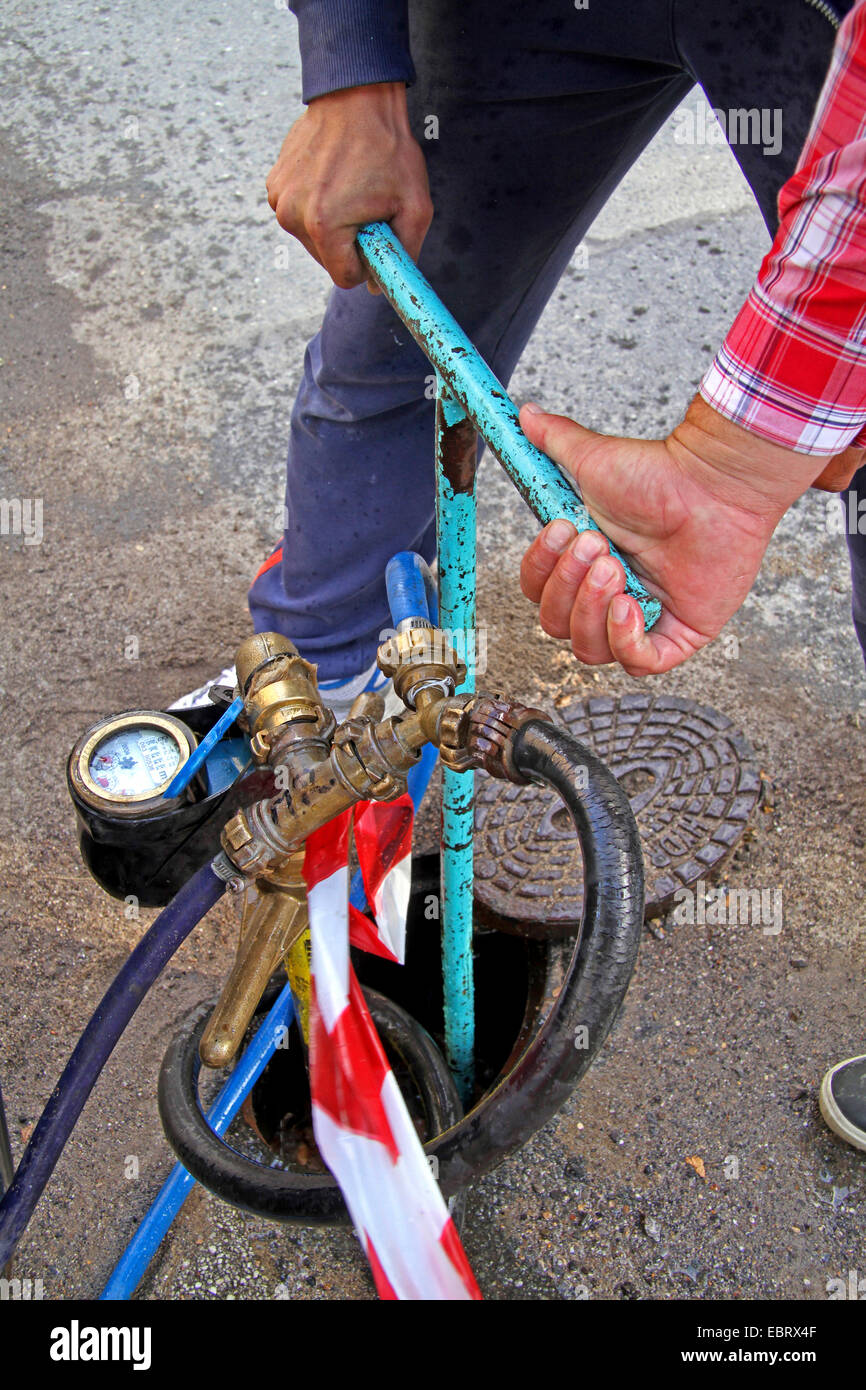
{"x": 351, "y": 159}
{"x": 695, "y": 512}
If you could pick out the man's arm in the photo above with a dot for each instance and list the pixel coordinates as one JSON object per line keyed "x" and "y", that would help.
{"x": 793, "y": 367}
{"x": 783, "y": 407}
{"x": 351, "y": 158}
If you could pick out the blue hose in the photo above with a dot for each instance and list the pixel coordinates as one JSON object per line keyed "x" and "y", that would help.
{"x": 404, "y": 581}
{"x": 129, "y": 1270}
{"x": 95, "y": 1046}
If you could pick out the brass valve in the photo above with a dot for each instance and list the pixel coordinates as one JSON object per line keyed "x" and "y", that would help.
{"x": 321, "y": 770}
{"x": 373, "y": 758}
{"x": 274, "y": 918}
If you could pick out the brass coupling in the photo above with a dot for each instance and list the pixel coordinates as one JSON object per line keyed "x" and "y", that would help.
{"x": 282, "y": 703}
{"x": 252, "y": 841}
{"x": 372, "y": 759}
{"x": 420, "y": 657}
{"x": 479, "y": 732}
{"x": 367, "y": 762}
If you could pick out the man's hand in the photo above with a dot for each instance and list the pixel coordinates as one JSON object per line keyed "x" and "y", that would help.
{"x": 350, "y": 159}
{"x": 694, "y": 512}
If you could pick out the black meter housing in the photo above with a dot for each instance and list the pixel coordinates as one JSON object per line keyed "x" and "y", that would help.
{"x": 152, "y": 855}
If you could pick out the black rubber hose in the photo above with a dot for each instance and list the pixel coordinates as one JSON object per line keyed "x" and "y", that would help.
{"x": 556, "y": 1055}
{"x": 598, "y": 974}
{"x": 280, "y": 1194}
{"x": 95, "y": 1046}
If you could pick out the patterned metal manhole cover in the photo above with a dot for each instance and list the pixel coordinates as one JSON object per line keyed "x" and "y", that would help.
{"x": 692, "y": 782}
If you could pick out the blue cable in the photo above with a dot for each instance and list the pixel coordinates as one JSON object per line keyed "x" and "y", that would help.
{"x": 130, "y": 1268}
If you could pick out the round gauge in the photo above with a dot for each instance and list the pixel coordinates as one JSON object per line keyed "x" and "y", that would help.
{"x": 125, "y": 764}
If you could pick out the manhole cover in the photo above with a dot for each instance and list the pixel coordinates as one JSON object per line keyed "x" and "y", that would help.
{"x": 692, "y": 782}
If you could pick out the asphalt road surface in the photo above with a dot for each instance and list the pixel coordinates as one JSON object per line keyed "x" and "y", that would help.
{"x": 153, "y": 323}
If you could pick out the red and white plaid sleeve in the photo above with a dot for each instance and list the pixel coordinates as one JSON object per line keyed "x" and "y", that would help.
{"x": 793, "y": 366}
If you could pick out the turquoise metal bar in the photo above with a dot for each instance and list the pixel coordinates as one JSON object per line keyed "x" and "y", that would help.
{"x": 469, "y": 380}
{"x": 456, "y": 454}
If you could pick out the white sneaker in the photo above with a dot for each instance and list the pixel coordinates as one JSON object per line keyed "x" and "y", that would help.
{"x": 339, "y": 696}
{"x": 196, "y": 699}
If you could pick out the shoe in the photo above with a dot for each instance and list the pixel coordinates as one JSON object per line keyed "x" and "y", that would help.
{"x": 843, "y": 1100}
{"x": 197, "y": 699}
{"x": 339, "y": 696}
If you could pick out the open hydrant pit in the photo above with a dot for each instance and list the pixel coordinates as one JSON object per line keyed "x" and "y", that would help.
{"x": 553, "y": 1036}
{"x": 517, "y": 980}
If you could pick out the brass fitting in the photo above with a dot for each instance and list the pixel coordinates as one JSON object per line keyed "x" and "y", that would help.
{"x": 481, "y": 732}
{"x": 373, "y": 759}
{"x": 367, "y": 762}
{"x": 252, "y": 842}
{"x": 453, "y": 732}
{"x": 320, "y": 772}
{"x": 275, "y": 916}
{"x": 281, "y": 698}
{"x": 420, "y": 658}
{"x": 368, "y": 705}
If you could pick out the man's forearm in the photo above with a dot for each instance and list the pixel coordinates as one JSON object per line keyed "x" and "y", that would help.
{"x": 352, "y": 43}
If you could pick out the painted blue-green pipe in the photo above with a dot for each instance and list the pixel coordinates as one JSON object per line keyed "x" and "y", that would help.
{"x": 130, "y": 1268}
{"x": 470, "y": 381}
{"x": 455, "y": 529}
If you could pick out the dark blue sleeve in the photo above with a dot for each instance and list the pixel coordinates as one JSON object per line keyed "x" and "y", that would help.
{"x": 350, "y": 43}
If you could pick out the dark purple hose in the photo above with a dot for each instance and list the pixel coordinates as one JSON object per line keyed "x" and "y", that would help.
{"x": 95, "y": 1046}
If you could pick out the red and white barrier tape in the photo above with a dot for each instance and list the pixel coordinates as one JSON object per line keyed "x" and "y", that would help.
{"x": 363, "y": 1130}
{"x": 383, "y": 840}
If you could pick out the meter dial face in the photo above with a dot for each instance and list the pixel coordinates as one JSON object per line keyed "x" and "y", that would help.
{"x": 135, "y": 762}
{"x": 124, "y": 765}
